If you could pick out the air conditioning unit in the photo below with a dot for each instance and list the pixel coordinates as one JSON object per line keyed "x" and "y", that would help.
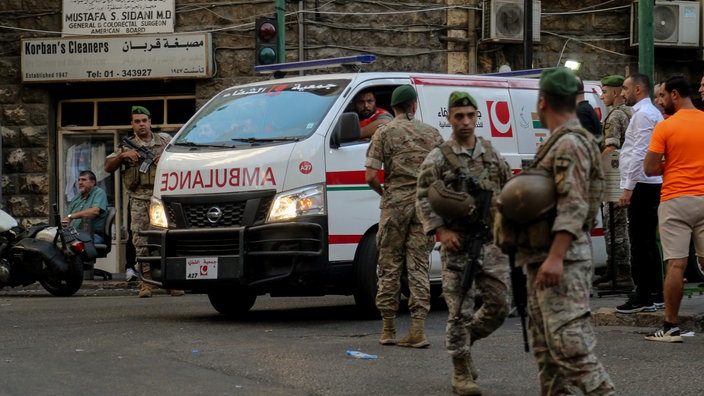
{"x": 675, "y": 23}
{"x": 503, "y": 20}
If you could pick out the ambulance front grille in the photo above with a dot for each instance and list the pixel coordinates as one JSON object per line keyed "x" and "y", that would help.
{"x": 233, "y": 212}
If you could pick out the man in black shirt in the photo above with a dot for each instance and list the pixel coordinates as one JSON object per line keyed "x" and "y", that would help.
{"x": 586, "y": 114}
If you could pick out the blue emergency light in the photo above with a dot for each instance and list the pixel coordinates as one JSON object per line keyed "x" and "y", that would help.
{"x": 315, "y": 64}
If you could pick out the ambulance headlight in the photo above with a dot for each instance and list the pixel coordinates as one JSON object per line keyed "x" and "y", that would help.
{"x": 305, "y": 201}
{"x": 157, "y": 214}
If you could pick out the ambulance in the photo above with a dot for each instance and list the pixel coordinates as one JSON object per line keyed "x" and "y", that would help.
{"x": 263, "y": 191}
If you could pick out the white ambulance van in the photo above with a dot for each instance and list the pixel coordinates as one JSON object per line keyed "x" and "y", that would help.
{"x": 263, "y": 190}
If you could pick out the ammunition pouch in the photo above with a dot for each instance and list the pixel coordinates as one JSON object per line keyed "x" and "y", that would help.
{"x": 510, "y": 235}
{"x": 133, "y": 178}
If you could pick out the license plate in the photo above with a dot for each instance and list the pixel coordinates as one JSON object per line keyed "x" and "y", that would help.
{"x": 202, "y": 268}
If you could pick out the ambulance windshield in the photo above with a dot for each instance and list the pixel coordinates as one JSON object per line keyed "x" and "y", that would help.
{"x": 264, "y": 114}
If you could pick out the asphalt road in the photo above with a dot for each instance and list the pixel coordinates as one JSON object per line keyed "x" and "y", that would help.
{"x": 113, "y": 343}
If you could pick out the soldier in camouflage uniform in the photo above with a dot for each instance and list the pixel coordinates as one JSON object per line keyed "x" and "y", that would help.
{"x": 558, "y": 274}
{"x": 479, "y": 163}
{"x": 399, "y": 147}
{"x": 614, "y": 132}
{"x": 140, "y": 185}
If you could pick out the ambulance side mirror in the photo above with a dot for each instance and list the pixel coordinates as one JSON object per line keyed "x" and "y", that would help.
{"x": 346, "y": 130}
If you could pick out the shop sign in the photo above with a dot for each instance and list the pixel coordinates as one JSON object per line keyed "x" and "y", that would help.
{"x": 116, "y": 17}
{"x": 117, "y": 58}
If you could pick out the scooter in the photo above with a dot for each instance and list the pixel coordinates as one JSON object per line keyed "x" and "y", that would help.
{"x": 53, "y": 256}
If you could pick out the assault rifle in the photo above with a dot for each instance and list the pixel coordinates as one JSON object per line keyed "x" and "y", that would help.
{"x": 520, "y": 295}
{"x": 479, "y": 234}
{"x": 144, "y": 154}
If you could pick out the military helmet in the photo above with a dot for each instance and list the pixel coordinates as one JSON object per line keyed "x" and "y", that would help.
{"x": 448, "y": 203}
{"x": 527, "y": 196}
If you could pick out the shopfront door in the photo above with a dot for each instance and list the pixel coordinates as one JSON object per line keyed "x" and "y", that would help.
{"x": 88, "y": 131}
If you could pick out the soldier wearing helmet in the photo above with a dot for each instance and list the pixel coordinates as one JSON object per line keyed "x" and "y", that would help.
{"x": 448, "y": 202}
{"x": 558, "y": 274}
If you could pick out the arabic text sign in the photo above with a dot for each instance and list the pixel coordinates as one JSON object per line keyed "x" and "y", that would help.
{"x": 113, "y": 17}
{"x": 117, "y": 58}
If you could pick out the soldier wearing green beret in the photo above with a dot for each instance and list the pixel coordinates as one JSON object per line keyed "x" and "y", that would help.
{"x": 140, "y": 185}
{"x": 559, "y": 268}
{"x": 618, "y": 245}
{"x": 398, "y": 148}
{"x": 466, "y": 165}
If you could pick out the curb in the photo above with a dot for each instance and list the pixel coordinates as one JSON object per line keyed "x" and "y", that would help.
{"x": 88, "y": 284}
{"x": 609, "y": 317}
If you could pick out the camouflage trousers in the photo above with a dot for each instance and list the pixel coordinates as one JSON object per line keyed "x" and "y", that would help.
{"x": 562, "y": 336}
{"x": 139, "y": 221}
{"x": 490, "y": 284}
{"x": 621, "y": 249}
{"x": 403, "y": 245}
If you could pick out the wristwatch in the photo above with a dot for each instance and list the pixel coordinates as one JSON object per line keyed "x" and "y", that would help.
{"x": 69, "y": 217}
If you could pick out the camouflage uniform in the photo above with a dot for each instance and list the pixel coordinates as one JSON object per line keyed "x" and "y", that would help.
{"x": 562, "y": 336}
{"x": 141, "y": 190}
{"x": 400, "y": 147}
{"x": 615, "y": 127}
{"x": 491, "y": 275}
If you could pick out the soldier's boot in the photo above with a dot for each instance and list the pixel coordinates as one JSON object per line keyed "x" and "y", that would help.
{"x": 388, "y": 332}
{"x": 462, "y": 379}
{"x": 145, "y": 289}
{"x": 416, "y": 337}
{"x": 606, "y": 278}
{"x": 624, "y": 279}
{"x": 471, "y": 368}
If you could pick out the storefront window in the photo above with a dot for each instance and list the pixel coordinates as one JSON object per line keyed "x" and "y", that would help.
{"x": 86, "y": 152}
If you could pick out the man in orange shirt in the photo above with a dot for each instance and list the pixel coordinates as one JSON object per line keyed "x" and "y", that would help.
{"x": 681, "y": 212}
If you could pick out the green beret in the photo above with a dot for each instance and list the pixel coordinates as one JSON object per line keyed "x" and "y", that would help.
{"x": 559, "y": 81}
{"x": 460, "y": 99}
{"x": 403, "y": 94}
{"x": 612, "y": 81}
{"x": 141, "y": 110}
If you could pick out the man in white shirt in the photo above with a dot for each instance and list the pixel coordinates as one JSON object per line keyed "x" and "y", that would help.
{"x": 641, "y": 194}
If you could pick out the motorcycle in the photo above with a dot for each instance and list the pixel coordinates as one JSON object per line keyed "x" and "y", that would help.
{"x": 53, "y": 256}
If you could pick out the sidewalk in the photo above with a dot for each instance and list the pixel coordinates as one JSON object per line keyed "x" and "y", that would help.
{"x": 691, "y": 315}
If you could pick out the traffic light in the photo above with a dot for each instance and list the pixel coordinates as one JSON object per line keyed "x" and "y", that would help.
{"x": 267, "y": 41}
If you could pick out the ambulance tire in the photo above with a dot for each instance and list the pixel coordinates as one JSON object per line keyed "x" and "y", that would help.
{"x": 365, "y": 278}
{"x": 232, "y": 302}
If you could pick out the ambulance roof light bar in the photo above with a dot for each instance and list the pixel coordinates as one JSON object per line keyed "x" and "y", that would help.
{"x": 315, "y": 64}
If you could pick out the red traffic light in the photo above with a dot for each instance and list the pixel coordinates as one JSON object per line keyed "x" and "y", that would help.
{"x": 267, "y": 31}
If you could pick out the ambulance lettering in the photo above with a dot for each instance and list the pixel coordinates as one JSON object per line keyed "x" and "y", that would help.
{"x": 231, "y": 177}
{"x": 499, "y": 119}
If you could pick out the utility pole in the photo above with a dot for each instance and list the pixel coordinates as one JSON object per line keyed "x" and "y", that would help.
{"x": 646, "y": 40}
{"x": 528, "y": 34}
{"x": 280, "y": 6}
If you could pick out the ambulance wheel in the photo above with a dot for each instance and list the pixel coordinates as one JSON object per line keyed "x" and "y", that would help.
{"x": 365, "y": 280}
{"x": 68, "y": 283}
{"x": 232, "y": 302}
